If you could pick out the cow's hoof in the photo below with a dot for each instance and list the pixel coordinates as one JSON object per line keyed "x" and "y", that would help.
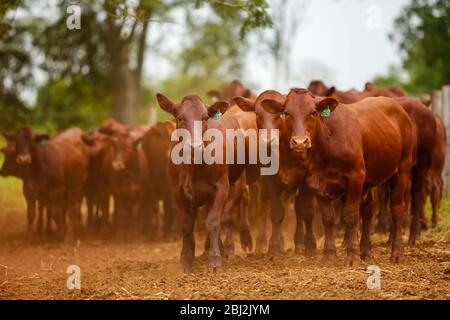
{"x": 310, "y": 247}
{"x": 187, "y": 269}
{"x": 261, "y": 245}
{"x": 353, "y": 260}
{"x": 214, "y": 263}
{"x": 329, "y": 257}
{"x": 246, "y": 240}
{"x": 299, "y": 248}
{"x": 366, "y": 251}
{"x": 275, "y": 250}
{"x": 396, "y": 258}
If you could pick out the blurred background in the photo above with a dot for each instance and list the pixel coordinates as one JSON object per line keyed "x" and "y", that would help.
{"x": 75, "y": 63}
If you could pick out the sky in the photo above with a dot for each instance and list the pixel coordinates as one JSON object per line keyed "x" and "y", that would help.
{"x": 343, "y": 41}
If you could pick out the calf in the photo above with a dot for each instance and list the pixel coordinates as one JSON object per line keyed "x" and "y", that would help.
{"x": 195, "y": 185}
{"x": 347, "y": 150}
{"x": 56, "y": 168}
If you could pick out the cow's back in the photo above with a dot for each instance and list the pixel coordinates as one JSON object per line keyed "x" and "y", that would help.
{"x": 387, "y": 136}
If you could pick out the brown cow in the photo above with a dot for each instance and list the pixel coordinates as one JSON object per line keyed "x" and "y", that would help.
{"x": 97, "y": 188}
{"x": 372, "y": 90}
{"x": 348, "y": 149}
{"x": 234, "y": 89}
{"x": 156, "y": 144}
{"x": 11, "y": 168}
{"x": 130, "y": 185}
{"x": 272, "y": 187}
{"x": 318, "y": 88}
{"x": 57, "y": 170}
{"x": 434, "y": 185}
{"x": 195, "y": 185}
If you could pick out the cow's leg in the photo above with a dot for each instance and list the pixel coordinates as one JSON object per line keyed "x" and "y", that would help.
{"x": 40, "y": 221}
{"x": 382, "y": 223}
{"x": 299, "y": 240}
{"x": 261, "y": 239}
{"x": 104, "y": 207}
{"x": 244, "y": 226}
{"x": 169, "y": 218}
{"x": 230, "y": 212}
{"x": 213, "y": 222}
{"x": 327, "y": 210}
{"x": 304, "y": 208}
{"x": 418, "y": 199}
{"x": 90, "y": 214}
{"x": 187, "y": 221}
{"x": 399, "y": 185}
{"x": 31, "y": 214}
{"x": 276, "y": 243}
{"x": 351, "y": 218}
{"x": 435, "y": 197}
{"x": 48, "y": 222}
{"x": 367, "y": 207}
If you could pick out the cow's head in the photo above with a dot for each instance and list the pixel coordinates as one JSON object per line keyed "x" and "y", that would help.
{"x": 9, "y": 166}
{"x": 234, "y": 89}
{"x": 26, "y": 142}
{"x": 97, "y": 142}
{"x": 265, "y": 120}
{"x": 303, "y": 113}
{"x": 318, "y": 88}
{"x": 125, "y": 148}
{"x": 192, "y": 113}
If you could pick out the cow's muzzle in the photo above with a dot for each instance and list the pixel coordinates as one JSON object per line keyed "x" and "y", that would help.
{"x": 118, "y": 165}
{"x": 300, "y": 143}
{"x": 23, "y": 159}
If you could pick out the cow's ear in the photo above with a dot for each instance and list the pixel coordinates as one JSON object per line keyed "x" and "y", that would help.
{"x": 326, "y": 104}
{"x": 272, "y": 106}
{"x": 248, "y": 94}
{"x": 330, "y": 91}
{"x": 166, "y": 104}
{"x": 214, "y": 94}
{"x": 137, "y": 143}
{"x": 245, "y": 104}
{"x": 369, "y": 86}
{"x": 219, "y": 107}
{"x": 87, "y": 139}
{"x": 42, "y": 138}
{"x": 8, "y": 136}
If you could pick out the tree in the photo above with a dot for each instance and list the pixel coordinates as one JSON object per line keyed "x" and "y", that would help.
{"x": 280, "y": 38}
{"x": 108, "y": 52}
{"x": 423, "y": 34}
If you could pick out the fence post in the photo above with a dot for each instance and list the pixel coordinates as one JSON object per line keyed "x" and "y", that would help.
{"x": 445, "y": 109}
{"x": 437, "y": 101}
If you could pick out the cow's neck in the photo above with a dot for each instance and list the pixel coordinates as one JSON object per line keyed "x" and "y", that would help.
{"x": 321, "y": 139}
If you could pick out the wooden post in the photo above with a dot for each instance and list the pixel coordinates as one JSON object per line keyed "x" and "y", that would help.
{"x": 436, "y": 98}
{"x": 445, "y": 109}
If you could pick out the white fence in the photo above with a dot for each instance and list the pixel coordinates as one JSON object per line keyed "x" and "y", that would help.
{"x": 441, "y": 106}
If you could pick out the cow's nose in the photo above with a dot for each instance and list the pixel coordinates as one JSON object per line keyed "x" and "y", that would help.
{"x": 300, "y": 143}
{"x": 118, "y": 165}
{"x": 23, "y": 159}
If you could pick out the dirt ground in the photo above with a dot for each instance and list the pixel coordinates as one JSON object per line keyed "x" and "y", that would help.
{"x": 151, "y": 270}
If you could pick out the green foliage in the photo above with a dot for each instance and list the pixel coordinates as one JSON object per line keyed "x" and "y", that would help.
{"x": 423, "y": 34}
{"x": 86, "y": 68}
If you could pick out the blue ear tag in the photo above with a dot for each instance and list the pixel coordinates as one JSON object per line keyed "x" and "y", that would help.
{"x": 326, "y": 112}
{"x": 218, "y": 115}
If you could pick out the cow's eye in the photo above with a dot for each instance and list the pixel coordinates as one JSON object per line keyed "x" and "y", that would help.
{"x": 286, "y": 114}
{"x": 179, "y": 121}
{"x": 314, "y": 114}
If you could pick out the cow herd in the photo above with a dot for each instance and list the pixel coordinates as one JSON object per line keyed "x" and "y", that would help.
{"x": 344, "y": 157}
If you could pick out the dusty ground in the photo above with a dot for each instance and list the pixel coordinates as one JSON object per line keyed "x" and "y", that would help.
{"x": 148, "y": 270}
